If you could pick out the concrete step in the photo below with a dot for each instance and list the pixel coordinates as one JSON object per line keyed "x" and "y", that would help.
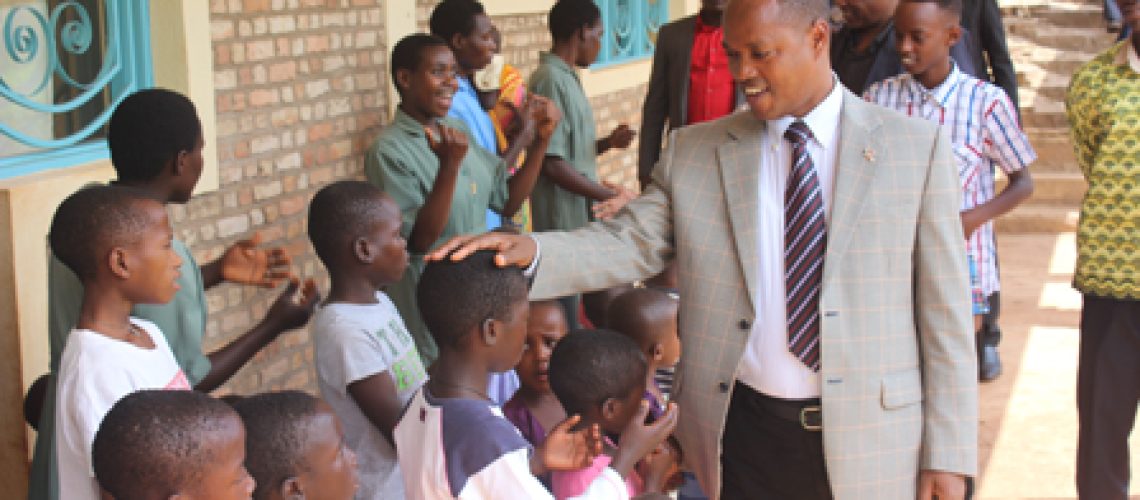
{"x": 1065, "y": 37}
{"x": 1060, "y": 13}
{"x": 1054, "y": 151}
{"x": 1064, "y": 189}
{"x": 1033, "y": 218}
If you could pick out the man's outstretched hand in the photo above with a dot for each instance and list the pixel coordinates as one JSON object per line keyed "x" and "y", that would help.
{"x": 513, "y": 249}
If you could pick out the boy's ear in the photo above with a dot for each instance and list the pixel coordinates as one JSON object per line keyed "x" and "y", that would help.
{"x": 657, "y": 352}
{"x": 117, "y": 262}
{"x": 611, "y": 407}
{"x": 458, "y": 41}
{"x": 403, "y": 79}
{"x": 362, "y": 250}
{"x": 292, "y": 488}
{"x": 489, "y": 331}
{"x": 954, "y": 34}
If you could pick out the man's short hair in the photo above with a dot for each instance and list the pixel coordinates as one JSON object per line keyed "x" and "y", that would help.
{"x": 156, "y": 443}
{"x": 409, "y": 52}
{"x": 277, "y": 426}
{"x": 805, "y": 10}
{"x": 338, "y": 214}
{"x": 588, "y": 367}
{"x": 148, "y": 130}
{"x": 568, "y": 16}
{"x": 456, "y": 297}
{"x": 949, "y": 6}
{"x": 92, "y": 221}
{"x": 454, "y": 17}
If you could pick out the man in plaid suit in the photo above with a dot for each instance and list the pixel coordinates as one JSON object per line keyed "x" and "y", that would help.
{"x": 880, "y": 400}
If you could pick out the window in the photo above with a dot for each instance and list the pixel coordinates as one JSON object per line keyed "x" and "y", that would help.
{"x": 631, "y": 29}
{"x": 64, "y": 66}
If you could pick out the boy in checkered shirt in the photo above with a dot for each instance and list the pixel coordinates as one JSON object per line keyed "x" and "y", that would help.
{"x": 983, "y": 127}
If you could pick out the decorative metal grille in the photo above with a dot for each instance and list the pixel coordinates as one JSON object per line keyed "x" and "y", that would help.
{"x": 631, "y": 29}
{"x": 64, "y": 66}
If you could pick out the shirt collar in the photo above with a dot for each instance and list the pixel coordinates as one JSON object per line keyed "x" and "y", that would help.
{"x": 556, "y": 62}
{"x": 406, "y": 123}
{"x": 941, "y": 94}
{"x": 823, "y": 120}
{"x": 1126, "y": 55}
{"x": 701, "y": 27}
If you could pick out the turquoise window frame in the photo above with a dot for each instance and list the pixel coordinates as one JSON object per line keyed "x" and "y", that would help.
{"x": 127, "y": 67}
{"x": 634, "y": 21}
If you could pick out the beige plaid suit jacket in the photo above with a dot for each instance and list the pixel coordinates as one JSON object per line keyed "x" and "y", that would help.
{"x": 899, "y": 381}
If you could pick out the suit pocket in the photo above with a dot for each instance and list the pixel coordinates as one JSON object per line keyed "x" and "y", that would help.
{"x": 902, "y": 388}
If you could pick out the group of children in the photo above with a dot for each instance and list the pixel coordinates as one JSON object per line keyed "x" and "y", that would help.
{"x": 590, "y": 419}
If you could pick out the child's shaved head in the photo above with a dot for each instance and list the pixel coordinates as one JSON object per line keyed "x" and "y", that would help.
{"x": 92, "y": 221}
{"x": 157, "y": 443}
{"x": 589, "y": 367}
{"x": 456, "y": 297}
{"x": 949, "y": 6}
{"x": 643, "y": 315}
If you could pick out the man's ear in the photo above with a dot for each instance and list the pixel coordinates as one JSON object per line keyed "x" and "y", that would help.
{"x": 117, "y": 261}
{"x": 292, "y": 489}
{"x": 820, "y": 35}
{"x": 363, "y": 251}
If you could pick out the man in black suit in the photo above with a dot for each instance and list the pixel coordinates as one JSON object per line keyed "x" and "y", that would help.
{"x": 674, "y": 72}
{"x": 982, "y": 19}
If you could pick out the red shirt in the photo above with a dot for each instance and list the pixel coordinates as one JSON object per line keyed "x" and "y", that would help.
{"x": 711, "y": 92}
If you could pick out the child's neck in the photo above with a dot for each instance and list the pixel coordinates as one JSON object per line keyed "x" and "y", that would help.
{"x": 158, "y": 190}
{"x": 936, "y": 76}
{"x": 455, "y": 375}
{"x": 651, "y": 384}
{"x": 351, "y": 288}
{"x": 109, "y": 314}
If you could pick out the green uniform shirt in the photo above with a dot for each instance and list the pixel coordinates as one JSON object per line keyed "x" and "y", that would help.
{"x": 402, "y": 164}
{"x": 574, "y": 140}
{"x": 182, "y": 321}
{"x": 1103, "y": 105}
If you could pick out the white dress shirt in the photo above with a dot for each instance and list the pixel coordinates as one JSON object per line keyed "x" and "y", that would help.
{"x": 767, "y": 365}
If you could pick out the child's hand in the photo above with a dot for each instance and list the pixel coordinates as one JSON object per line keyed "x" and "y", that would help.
{"x": 291, "y": 310}
{"x": 971, "y": 222}
{"x": 564, "y": 449}
{"x": 661, "y": 469}
{"x": 638, "y": 439}
{"x": 621, "y": 137}
{"x": 450, "y": 147}
{"x": 247, "y": 264}
{"x": 605, "y": 209}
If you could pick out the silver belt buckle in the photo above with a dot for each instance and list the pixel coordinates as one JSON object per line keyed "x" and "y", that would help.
{"x": 804, "y": 418}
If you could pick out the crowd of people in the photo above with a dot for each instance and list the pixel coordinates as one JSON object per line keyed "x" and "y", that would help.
{"x": 798, "y": 303}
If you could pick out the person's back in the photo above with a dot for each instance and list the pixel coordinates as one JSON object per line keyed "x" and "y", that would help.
{"x": 117, "y": 241}
{"x": 366, "y": 361}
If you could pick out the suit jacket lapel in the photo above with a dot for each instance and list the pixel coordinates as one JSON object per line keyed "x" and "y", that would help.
{"x": 859, "y": 150}
{"x": 739, "y": 159}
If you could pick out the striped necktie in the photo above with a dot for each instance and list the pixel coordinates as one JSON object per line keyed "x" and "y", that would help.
{"x": 805, "y": 241}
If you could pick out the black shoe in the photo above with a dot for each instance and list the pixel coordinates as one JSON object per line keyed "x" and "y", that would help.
{"x": 989, "y": 363}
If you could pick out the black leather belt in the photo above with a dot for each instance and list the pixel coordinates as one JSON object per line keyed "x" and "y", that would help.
{"x": 806, "y": 412}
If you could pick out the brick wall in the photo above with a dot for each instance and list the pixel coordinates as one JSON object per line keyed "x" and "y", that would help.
{"x": 300, "y": 88}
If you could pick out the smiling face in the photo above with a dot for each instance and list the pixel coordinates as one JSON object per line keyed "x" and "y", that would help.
{"x": 329, "y": 465}
{"x": 152, "y": 263}
{"x": 225, "y": 477}
{"x": 475, "y": 50}
{"x": 779, "y": 59}
{"x": 925, "y": 34}
{"x": 546, "y": 326}
{"x": 427, "y": 91}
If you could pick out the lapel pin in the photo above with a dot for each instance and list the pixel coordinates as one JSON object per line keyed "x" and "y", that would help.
{"x": 869, "y": 154}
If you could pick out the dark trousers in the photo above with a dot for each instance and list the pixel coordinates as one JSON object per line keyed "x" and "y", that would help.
{"x": 769, "y": 457}
{"x": 1108, "y": 392}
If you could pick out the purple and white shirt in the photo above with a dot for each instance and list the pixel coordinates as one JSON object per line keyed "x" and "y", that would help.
{"x": 984, "y": 130}
{"x": 465, "y": 448}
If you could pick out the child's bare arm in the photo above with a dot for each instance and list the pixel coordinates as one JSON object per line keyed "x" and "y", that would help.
{"x": 450, "y": 147}
{"x": 563, "y": 174}
{"x": 1018, "y": 190}
{"x": 377, "y": 398}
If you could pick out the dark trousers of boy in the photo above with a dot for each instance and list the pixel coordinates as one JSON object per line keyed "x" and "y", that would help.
{"x": 1108, "y": 392}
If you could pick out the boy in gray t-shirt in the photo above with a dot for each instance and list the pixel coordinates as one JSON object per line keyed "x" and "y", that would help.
{"x": 367, "y": 364}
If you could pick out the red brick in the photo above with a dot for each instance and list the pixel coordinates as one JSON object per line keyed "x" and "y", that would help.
{"x": 263, "y": 97}
{"x": 320, "y": 131}
{"x": 256, "y": 6}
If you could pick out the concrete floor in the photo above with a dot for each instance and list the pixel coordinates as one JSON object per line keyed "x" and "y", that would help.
{"x": 1027, "y": 432}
